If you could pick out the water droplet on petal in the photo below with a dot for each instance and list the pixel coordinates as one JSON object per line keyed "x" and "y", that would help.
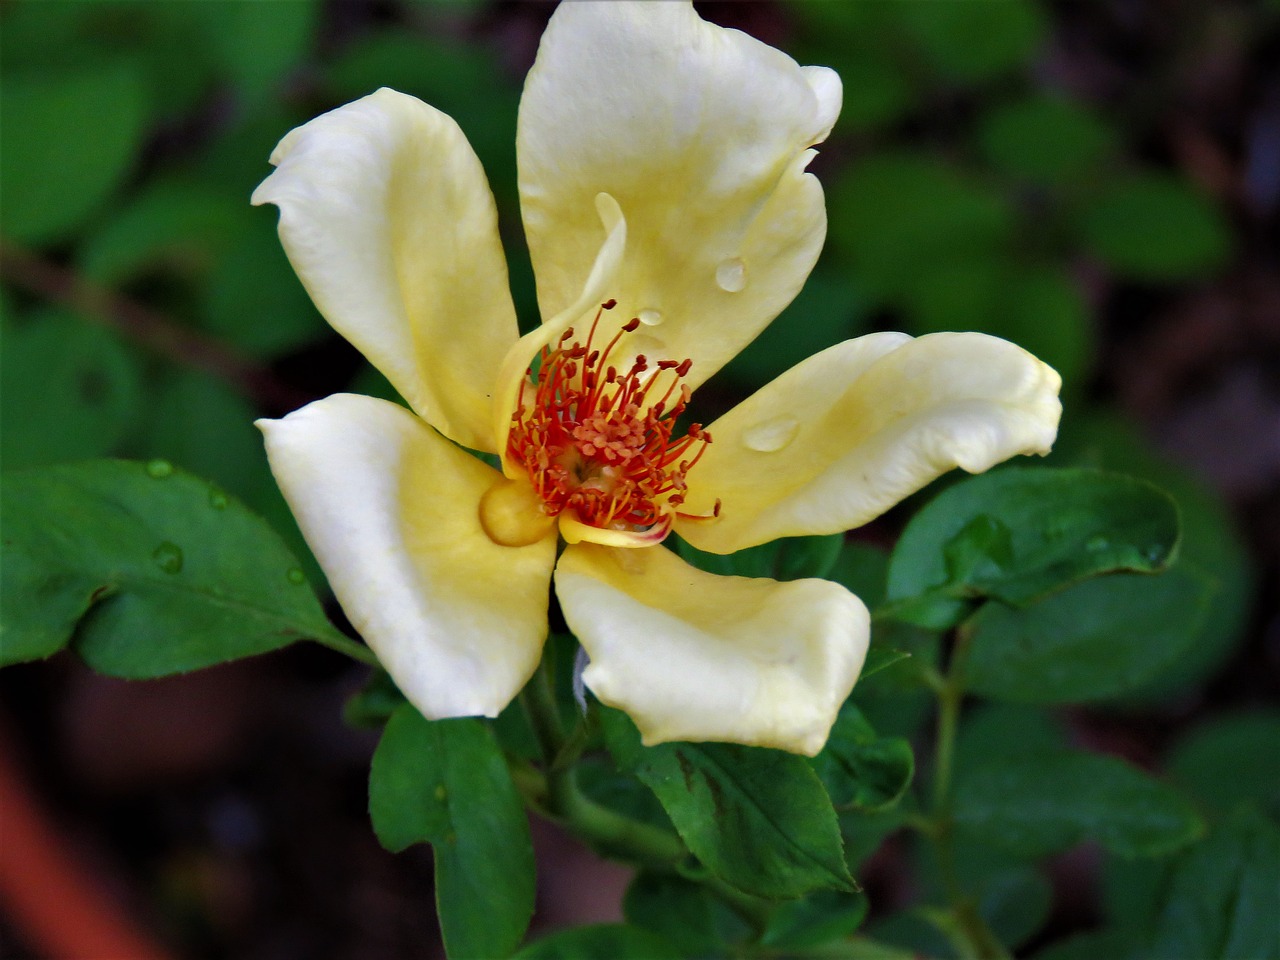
{"x": 217, "y": 499}
{"x": 295, "y": 575}
{"x": 650, "y": 317}
{"x": 731, "y": 276}
{"x": 159, "y": 469}
{"x": 772, "y": 435}
{"x": 168, "y": 557}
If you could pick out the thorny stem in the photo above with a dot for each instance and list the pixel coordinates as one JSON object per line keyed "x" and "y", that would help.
{"x": 564, "y": 802}
{"x": 979, "y": 941}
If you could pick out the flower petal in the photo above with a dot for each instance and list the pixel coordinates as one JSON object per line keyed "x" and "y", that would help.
{"x": 387, "y": 218}
{"x": 702, "y": 135}
{"x": 846, "y": 434}
{"x": 693, "y": 656}
{"x": 391, "y": 510}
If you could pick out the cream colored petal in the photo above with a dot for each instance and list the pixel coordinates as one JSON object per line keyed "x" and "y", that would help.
{"x": 387, "y": 218}
{"x": 702, "y": 135}
{"x": 611, "y": 243}
{"x": 843, "y": 436}
{"x": 391, "y": 510}
{"x": 693, "y": 656}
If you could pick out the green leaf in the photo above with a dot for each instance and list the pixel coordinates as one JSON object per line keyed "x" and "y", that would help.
{"x": 857, "y": 41}
{"x": 164, "y": 42}
{"x": 1007, "y": 731}
{"x": 828, "y": 309}
{"x": 153, "y": 571}
{"x": 1016, "y": 903}
{"x": 1154, "y": 227}
{"x": 613, "y": 940}
{"x": 70, "y": 390}
{"x": 758, "y": 818}
{"x": 257, "y": 44}
{"x": 1096, "y": 640}
{"x": 1212, "y": 546}
{"x": 1037, "y": 306}
{"x": 819, "y": 918}
{"x": 1037, "y": 805}
{"x": 1221, "y": 898}
{"x": 790, "y": 558}
{"x": 897, "y": 214}
{"x": 464, "y": 80}
{"x": 679, "y": 910}
{"x": 1020, "y": 533}
{"x": 976, "y": 41}
{"x": 180, "y": 224}
{"x": 373, "y": 704}
{"x": 880, "y": 657}
{"x": 1109, "y": 943}
{"x": 445, "y": 782}
{"x": 254, "y": 300}
{"x": 70, "y": 139}
{"x": 860, "y": 769}
{"x": 1231, "y": 759}
{"x": 1045, "y": 139}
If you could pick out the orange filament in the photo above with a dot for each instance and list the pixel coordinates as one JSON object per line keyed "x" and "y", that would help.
{"x": 600, "y": 442}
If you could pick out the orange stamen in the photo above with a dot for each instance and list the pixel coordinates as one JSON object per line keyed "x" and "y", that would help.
{"x": 593, "y": 444}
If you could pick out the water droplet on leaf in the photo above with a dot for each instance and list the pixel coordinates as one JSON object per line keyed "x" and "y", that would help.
{"x": 168, "y": 557}
{"x": 650, "y": 317}
{"x": 159, "y": 469}
{"x": 731, "y": 276}
{"x": 295, "y": 575}
{"x": 772, "y": 435}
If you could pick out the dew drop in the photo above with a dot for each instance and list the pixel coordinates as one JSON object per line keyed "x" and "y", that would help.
{"x": 295, "y": 575}
{"x": 159, "y": 469}
{"x": 731, "y": 276}
{"x": 772, "y": 435}
{"x": 217, "y": 500}
{"x": 168, "y": 557}
{"x": 650, "y": 317}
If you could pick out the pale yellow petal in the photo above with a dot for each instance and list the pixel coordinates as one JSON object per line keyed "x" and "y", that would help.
{"x": 848, "y": 433}
{"x": 611, "y": 244}
{"x": 387, "y": 218}
{"x": 693, "y": 656}
{"x": 391, "y": 510}
{"x": 702, "y": 135}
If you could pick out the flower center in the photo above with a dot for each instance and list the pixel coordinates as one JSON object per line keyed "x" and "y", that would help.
{"x": 601, "y": 442}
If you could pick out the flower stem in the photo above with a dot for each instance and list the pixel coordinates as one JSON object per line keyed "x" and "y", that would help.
{"x": 978, "y": 941}
{"x": 606, "y": 830}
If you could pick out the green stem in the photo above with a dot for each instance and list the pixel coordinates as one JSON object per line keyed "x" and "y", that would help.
{"x": 606, "y": 830}
{"x": 345, "y": 645}
{"x": 981, "y": 943}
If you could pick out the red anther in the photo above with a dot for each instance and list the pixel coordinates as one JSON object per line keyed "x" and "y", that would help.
{"x": 609, "y": 304}
{"x": 631, "y": 325}
{"x": 682, "y": 370}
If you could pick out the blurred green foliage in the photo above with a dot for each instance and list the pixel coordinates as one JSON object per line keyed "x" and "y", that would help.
{"x": 967, "y": 191}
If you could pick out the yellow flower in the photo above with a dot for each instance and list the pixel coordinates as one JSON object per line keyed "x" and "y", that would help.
{"x": 669, "y": 219}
